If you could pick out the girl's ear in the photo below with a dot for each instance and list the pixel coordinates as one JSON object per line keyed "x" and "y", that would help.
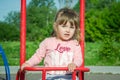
{"x": 55, "y": 26}
{"x": 54, "y": 29}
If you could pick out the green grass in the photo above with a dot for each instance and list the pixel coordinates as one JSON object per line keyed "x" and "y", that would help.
{"x": 12, "y": 50}
{"x": 91, "y": 53}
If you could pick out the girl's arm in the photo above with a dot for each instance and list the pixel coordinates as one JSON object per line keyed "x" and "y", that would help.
{"x": 37, "y": 57}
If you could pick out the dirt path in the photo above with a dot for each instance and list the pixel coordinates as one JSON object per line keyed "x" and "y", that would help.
{"x": 88, "y": 76}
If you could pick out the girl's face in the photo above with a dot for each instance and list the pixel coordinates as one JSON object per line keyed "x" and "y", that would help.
{"x": 65, "y": 32}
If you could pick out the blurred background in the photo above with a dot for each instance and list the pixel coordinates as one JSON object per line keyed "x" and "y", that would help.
{"x": 102, "y": 32}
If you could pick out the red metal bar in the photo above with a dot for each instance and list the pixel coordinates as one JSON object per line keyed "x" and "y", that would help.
{"x": 44, "y": 69}
{"x": 43, "y": 74}
{"x": 22, "y": 75}
{"x": 23, "y": 32}
{"x": 81, "y": 75}
{"x": 82, "y": 34}
{"x": 74, "y": 75}
{"x": 22, "y": 37}
{"x": 84, "y": 69}
{"x": 18, "y": 75}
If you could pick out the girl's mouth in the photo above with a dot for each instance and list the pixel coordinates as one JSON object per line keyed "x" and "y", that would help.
{"x": 66, "y": 34}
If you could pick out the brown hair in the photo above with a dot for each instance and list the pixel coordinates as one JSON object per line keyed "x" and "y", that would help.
{"x": 64, "y": 15}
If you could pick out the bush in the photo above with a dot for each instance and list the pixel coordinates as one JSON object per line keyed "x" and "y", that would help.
{"x": 8, "y": 32}
{"x": 99, "y": 22}
{"x": 109, "y": 52}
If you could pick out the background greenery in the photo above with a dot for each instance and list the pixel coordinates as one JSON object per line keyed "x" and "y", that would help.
{"x": 102, "y": 32}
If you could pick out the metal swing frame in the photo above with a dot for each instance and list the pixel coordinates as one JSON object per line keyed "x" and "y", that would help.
{"x": 6, "y": 65}
{"x": 21, "y": 74}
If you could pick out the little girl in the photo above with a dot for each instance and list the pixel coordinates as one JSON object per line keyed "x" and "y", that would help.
{"x": 62, "y": 49}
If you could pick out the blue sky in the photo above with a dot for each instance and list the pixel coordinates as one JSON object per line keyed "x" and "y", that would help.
{"x": 7, "y": 6}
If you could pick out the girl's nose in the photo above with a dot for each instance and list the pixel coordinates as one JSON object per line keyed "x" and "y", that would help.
{"x": 67, "y": 29}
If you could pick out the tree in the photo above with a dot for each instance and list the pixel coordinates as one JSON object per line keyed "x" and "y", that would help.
{"x": 40, "y": 16}
{"x": 113, "y": 20}
{"x": 8, "y": 32}
{"x": 100, "y": 21}
{"x": 98, "y": 4}
{"x": 13, "y": 19}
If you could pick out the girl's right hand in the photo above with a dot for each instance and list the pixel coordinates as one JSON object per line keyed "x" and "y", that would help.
{"x": 71, "y": 67}
{"x": 25, "y": 65}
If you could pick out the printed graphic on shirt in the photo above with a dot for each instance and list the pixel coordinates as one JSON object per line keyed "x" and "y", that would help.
{"x": 61, "y": 57}
{"x": 62, "y": 49}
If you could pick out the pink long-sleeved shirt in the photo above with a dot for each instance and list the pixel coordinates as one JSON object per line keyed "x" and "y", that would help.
{"x": 57, "y": 53}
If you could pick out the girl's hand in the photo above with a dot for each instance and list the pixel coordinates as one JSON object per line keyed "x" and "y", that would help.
{"x": 71, "y": 67}
{"x": 24, "y": 65}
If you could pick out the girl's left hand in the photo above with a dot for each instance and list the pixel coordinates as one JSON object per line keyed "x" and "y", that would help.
{"x": 71, "y": 67}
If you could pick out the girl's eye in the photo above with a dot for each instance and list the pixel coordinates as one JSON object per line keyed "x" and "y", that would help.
{"x": 63, "y": 26}
{"x": 72, "y": 27}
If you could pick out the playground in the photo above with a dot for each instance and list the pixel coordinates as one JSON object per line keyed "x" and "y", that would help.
{"x": 35, "y": 73}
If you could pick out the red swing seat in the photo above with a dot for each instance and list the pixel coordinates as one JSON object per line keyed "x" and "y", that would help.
{"x": 21, "y": 74}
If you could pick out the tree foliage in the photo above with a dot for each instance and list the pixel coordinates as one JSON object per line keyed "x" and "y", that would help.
{"x": 8, "y": 32}
{"x": 98, "y": 4}
{"x": 101, "y": 18}
{"x": 13, "y": 19}
{"x": 102, "y": 22}
{"x": 40, "y": 16}
{"x": 109, "y": 51}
